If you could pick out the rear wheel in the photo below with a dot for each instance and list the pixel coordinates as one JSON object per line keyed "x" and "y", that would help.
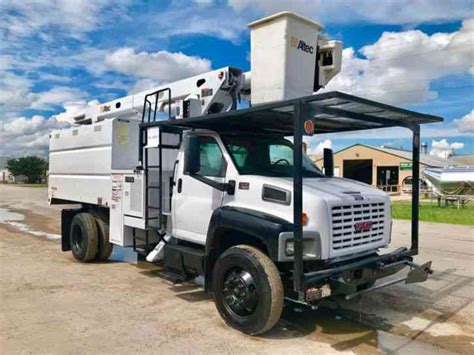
{"x": 247, "y": 289}
{"x": 84, "y": 238}
{"x": 104, "y": 247}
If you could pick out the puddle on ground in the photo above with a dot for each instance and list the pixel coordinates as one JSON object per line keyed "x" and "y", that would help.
{"x": 397, "y": 344}
{"x": 7, "y": 215}
{"x": 12, "y": 218}
{"x": 344, "y": 334}
{"x": 434, "y": 329}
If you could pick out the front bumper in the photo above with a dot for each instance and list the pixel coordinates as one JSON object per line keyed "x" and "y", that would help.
{"x": 418, "y": 273}
{"x": 351, "y": 278}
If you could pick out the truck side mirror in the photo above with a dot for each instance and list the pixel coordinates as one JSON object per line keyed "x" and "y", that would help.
{"x": 192, "y": 156}
{"x": 328, "y": 162}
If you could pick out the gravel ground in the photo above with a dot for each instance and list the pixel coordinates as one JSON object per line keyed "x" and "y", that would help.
{"x": 51, "y": 304}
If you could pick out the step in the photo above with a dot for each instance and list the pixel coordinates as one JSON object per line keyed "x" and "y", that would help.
{"x": 145, "y": 248}
{"x": 175, "y": 278}
{"x": 141, "y": 251}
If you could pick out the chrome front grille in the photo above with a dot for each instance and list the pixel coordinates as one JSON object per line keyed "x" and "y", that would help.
{"x": 344, "y": 219}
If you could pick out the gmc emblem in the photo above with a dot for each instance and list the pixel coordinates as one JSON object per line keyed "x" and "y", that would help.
{"x": 363, "y": 226}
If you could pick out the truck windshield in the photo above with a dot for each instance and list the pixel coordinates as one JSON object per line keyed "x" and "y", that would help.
{"x": 267, "y": 156}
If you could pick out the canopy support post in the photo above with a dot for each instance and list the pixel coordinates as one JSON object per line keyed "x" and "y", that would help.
{"x": 415, "y": 199}
{"x": 298, "y": 199}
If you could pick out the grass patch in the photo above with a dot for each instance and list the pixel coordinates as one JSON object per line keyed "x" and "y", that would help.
{"x": 431, "y": 212}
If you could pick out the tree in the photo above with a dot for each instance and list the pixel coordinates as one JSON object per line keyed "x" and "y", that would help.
{"x": 32, "y": 167}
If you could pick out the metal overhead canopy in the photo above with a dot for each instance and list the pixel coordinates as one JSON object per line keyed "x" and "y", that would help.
{"x": 332, "y": 112}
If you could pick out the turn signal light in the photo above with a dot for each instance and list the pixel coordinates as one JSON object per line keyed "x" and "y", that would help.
{"x": 304, "y": 219}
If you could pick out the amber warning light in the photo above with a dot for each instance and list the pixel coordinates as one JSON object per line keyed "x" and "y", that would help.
{"x": 309, "y": 127}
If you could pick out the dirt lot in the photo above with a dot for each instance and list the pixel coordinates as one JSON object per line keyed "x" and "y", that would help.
{"x": 51, "y": 304}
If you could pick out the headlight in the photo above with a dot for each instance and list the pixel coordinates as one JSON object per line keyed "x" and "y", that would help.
{"x": 311, "y": 246}
{"x": 289, "y": 248}
{"x": 308, "y": 247}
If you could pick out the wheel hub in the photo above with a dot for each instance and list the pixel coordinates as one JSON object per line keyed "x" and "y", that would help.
{"x": 77, "y": 238}
{"x": 240, "y": 292}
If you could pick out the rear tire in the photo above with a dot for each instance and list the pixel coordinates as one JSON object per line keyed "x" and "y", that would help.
{"x": 248, "y": 290}
{"x": 104, "y": 247}
{"x": 83, "y": 237}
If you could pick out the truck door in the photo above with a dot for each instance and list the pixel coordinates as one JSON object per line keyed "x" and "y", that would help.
{"x": 193, "y": 201}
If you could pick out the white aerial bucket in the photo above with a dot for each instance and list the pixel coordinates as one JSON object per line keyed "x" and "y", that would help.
{"x": 283, "y": 57}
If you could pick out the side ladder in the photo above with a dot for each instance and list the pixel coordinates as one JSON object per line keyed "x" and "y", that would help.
{"x": 153, "y": 207}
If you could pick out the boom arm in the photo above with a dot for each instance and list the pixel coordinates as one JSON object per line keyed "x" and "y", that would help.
{"x": 212, "y": 92}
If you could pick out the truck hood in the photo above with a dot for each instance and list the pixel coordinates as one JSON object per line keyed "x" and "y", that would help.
{"x": 334, "y": 187}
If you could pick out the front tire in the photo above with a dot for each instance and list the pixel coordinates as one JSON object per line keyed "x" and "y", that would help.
{"x": 83, "y": 237}
{"x": 248, "y": 290}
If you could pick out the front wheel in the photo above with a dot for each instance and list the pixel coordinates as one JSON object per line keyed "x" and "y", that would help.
{"x": 248, "y": 290}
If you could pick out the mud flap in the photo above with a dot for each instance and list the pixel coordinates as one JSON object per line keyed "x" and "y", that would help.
{"x": 419, "y": 274}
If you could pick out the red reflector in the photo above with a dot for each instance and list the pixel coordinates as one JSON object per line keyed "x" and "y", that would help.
{"x": 309, "y": 127}
{"x": 304, "y": 219}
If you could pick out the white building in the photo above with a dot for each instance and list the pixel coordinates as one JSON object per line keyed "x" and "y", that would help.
{"x": 5, "y": 175}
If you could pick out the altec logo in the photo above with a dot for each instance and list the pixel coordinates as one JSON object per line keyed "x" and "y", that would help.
{"x": 363, "y": 226}
{"x": 301, "y": 45}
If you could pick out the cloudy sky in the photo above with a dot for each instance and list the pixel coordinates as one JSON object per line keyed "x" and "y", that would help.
{"x": 58, "y": 56}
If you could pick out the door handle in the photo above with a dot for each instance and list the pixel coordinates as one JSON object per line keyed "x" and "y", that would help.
{"x": 180, "y": 185}
{"x": 174, "y": 172}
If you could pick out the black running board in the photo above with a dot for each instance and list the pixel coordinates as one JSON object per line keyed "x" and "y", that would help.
{"x": 184, "y": 260}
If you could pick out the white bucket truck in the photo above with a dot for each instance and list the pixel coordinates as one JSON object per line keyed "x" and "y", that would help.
{"x": 184, "y": 178}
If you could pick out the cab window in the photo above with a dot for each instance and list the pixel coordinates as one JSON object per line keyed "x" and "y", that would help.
{"x": 281, "y": 154}
{"x": 212, "y": 160}
{"x": 266, "y": 156}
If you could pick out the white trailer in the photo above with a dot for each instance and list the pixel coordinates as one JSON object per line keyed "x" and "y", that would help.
{"x": 223, "y": 193}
